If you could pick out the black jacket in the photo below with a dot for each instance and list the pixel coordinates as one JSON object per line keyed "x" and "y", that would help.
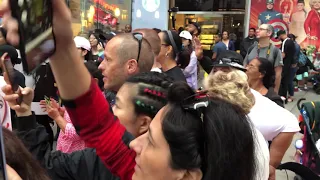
{"x": 78, "y": 165}
{"x": 245, "y": 44}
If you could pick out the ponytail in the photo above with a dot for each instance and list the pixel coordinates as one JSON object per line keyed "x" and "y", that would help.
{"x": 183, "y": 58}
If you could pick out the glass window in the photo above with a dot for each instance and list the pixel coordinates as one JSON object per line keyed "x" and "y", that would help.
{"x": 111, "y": 15}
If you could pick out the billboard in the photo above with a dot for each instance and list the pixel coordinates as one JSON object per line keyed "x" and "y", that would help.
{"x": 299, "y": 17}
{"x": 150, "y": 14}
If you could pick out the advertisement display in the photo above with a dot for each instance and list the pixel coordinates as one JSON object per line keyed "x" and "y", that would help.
{"x": 299, "y": 17}
{"x": 150, "y": 14}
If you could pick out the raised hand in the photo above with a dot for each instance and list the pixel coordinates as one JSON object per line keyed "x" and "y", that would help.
{"x": 24, "y": 108}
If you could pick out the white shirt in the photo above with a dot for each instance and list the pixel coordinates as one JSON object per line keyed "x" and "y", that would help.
{"x": 5, "y": 116}
{"x": 156, "y": 70}
{"x": 262, "y": 156}
{"x": 271, "y": 119}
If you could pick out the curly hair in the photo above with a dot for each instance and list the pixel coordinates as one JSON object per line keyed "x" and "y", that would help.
{"x": 231, "y": 86}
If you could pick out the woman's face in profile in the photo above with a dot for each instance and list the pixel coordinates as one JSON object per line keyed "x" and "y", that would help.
{"x": 153, "y": 155}
{"x": 253, "y": 70}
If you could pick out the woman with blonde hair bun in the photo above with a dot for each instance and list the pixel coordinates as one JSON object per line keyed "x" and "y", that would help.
{"x": 231, "y": 86}
{"x": 276, "y": 124}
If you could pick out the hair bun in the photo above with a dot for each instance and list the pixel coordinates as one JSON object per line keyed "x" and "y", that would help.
{"x": 179, "y": 91}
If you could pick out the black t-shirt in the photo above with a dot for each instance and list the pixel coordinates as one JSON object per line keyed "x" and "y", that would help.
{"x": 289, "y": 50}
{"x": 176, "y": 73}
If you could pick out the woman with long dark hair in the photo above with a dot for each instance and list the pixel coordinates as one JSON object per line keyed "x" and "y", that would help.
{"x": 20, "y": 159}
{"x": 261, "y": 77}
{"x": 197, "y": 138}
{"x": 172, "y": 56}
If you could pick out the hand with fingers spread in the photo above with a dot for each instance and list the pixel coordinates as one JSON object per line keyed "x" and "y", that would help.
{"x": 53, "y": 109}
{"x": 198, "y": 48}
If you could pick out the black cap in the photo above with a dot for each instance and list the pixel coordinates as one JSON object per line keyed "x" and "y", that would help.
{"x": 280, "y": 32}
{"x": 292, "y": 36}
{"x": 198, "y": 27}
{"x": 230, "y": 59}
{"x": 12, "y": 53}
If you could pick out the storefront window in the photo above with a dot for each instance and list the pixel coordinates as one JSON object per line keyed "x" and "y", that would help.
{"x": 111, "y": 15}
{"x": 214, "y": 23}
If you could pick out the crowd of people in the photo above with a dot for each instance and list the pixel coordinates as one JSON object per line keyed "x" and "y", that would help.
{"x": 129, "y": 107}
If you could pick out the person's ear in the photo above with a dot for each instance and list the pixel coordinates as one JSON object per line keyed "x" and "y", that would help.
{"x": 261, "y": 75}
{"x": 143, "y": 123}
{"x": 169, "y": 50}
{"x": 195, "y": 174}
{"x": 84, "y": 52}
{"x": 132, "y": 66}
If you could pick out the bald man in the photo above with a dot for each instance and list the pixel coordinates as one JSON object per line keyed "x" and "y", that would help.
{"x": 152, "y": 37}
{"x": 121, "y": 60}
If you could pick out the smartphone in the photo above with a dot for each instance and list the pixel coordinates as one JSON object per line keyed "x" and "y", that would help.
{"x": 8, "y": 68}
{"x": 3, "y": 171}
{"x": 37, "y": 42}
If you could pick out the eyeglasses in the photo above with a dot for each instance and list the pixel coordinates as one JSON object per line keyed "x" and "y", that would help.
{"x": 138, "y": 36}
{"x": 262, "y": 29}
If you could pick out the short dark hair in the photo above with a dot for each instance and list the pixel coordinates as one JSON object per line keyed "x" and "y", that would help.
{"x": 254, "y": 29}
{"x": 152, "y": 92}
{"x": 182, "y": 55}
{"x": 95, "y": 72}
{"x": 157, "y": 30}
{"x": 208, "y": 138}
{"x": 267, "y": 69}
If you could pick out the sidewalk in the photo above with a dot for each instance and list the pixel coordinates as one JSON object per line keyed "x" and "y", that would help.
{"x": 310, "y": 96}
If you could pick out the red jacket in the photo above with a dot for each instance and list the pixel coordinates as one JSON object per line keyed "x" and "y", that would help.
{"x": 96, "y": 124}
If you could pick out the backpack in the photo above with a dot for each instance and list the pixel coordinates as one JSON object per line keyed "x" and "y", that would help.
{"x": 275, "y": 53}
{"x": 311, "y": 124}
{"x": 302, "y": 59}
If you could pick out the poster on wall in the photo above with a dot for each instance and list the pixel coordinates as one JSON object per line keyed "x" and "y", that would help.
{"x": 299, "y": 17}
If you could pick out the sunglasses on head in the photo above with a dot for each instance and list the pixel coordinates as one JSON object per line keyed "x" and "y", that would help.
{"x": 138, "y": 36}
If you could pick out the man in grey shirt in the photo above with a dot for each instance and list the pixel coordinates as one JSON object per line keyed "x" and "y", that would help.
{"x": 264, "y": 48}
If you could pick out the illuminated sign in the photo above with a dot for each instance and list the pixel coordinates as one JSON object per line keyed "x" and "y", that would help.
{"x": 106, "y": 5}
{"x": 150, "y": 5}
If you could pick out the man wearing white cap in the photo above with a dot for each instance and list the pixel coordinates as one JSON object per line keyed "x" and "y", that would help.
{"x": 190, "y": 72}
{"x": 84, "y": 47}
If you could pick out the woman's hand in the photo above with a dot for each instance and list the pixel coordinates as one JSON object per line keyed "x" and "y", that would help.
{"x": 53, "y": 109}
{"x": 24, "y": 109}
{"x": 12, "y": 174}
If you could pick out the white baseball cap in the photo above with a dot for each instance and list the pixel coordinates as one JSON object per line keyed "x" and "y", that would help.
{"x": 82, "y": 42}
{"x": 186, "y": 35}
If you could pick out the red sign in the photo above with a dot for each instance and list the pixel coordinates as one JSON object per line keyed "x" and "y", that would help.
{"x": 106, "y": 5}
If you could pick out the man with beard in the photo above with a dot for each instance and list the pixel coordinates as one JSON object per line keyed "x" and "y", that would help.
{"x": 247, "y": 42}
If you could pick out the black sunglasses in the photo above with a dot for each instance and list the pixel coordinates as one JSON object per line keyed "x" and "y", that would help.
{"x": 138, "y": 36}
